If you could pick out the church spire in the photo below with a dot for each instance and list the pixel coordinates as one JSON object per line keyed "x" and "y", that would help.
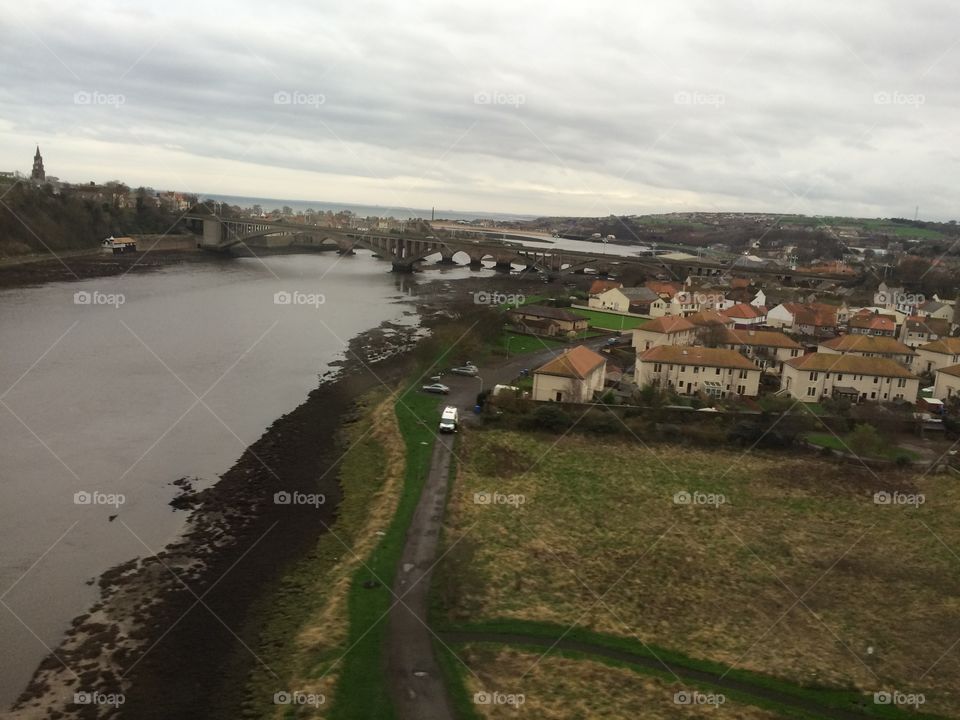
{"x": 38, "y": 174}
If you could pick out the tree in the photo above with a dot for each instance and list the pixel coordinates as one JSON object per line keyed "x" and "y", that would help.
{"x": 865, "y": 440}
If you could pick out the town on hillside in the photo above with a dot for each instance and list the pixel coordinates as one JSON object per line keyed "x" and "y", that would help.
{"x": 727, "y": 341}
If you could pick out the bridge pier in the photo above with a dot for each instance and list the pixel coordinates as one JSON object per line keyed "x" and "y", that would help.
{"x": 401, "y": 266}
{"x": 446, "y": 256}
{"x": 503, "y": 266}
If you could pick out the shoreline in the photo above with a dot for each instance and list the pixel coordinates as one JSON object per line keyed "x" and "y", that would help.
{"x": 166, "y": 629}
{"x": 164, "y": 632}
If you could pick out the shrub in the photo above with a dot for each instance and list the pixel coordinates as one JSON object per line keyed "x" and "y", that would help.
{"x": 548, "y": 417}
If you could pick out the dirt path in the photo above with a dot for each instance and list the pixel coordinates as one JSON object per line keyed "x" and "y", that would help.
{"x": 682, "y": 672}
{"x": 416, "y": 683}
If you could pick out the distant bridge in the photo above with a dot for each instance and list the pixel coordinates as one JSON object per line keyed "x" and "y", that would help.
{"x": 404, "y": 252}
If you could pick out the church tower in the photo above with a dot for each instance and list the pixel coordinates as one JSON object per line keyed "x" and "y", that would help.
{"x": 38, "y": 175}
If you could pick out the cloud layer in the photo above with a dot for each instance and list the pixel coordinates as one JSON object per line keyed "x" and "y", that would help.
{"x": 817, "y": 107}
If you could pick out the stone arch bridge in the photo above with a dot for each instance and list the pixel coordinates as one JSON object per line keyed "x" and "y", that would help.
{"x": 405, "y": 251}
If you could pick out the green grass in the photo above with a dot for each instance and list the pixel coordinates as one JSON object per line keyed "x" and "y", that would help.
{"x": 827, "y": 698}
{"x": 610, "y": 321}
{"x": 362, "y": 690}
{"x": 889, "y": 452}
{"x": 518, "y": 344}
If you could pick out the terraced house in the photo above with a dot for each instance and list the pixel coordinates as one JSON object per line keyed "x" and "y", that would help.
{"x": 688, "y": 370}
{"x": 664, "y": 331}
{"x": 919, "y": 330}
{"x": 938, "y": 354}
{"x": 947, "y": 383}
{"x": 768, "y": 349}
{"x": 870, "y": 346}
{"x": 856, "y": 378}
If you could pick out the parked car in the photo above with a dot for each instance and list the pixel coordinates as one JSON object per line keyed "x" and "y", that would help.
{"x": 436, "y": 388}
{"x": 468, "y": 369}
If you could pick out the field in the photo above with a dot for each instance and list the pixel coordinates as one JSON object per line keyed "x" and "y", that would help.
{"x": 610, "y": 321}
{"x": 517, "y": 344}
{"x": 556, "y": 687}
{"x": 780, "y": 566}
{"x": 887, "y": 452}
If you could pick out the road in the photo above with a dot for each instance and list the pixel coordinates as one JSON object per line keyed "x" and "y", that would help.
{"x": 416, "y": 684}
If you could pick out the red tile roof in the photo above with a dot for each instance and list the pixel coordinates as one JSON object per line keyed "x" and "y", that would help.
{"x": 600, "y": 286}
{"x": 668, "y": 324}
{"x": 696, "y": 355}
{"x": 578, "y": 363}
{"x": 763, "y": 338}
{"x": 868, "y": 344}
{"x": 944, "y": 346}
{"x": 854, "y": 364}
{"x": 744, "y": 311}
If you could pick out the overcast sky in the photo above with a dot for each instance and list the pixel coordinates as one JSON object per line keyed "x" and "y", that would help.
{"x": 543, "y": 108}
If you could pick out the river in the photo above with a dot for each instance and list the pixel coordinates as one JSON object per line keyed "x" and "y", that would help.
{"x": 159, "y": 376}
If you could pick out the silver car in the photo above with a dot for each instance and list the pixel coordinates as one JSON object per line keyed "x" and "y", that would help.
{"x": 436, "y": 388}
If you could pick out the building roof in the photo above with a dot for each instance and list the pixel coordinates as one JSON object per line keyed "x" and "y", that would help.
{"x": 931, "y": 306}
{"x": 744, "y": 311}
{"x": 696, "y": 355}
{"x": 577, "y": 363}
{"x": 868, "y": 344}
{"x": 931, "y": 326}
{"x": 663, "y": 287}
{"x": 640, "y": 294}
{"x": 764, "y": 338}
{"x": 854, "y": 364}
{"x": 952, "y": 370}
{"x": 707, "y": 318}
{"x": 739, "y": 282}
{"x": 815, "y": 314}
{"x": 872, "y": 322}
{"x": 944, "y": 346}
{"x": 600, "y": 286}
{"x": 547, "y": 312}
{"x": 668, "y": 324}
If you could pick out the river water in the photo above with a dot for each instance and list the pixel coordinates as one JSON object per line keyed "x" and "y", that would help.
{"x": 124, "y": 398}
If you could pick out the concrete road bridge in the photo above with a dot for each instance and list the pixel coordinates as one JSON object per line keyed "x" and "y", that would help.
{"x": 405, "y": 251}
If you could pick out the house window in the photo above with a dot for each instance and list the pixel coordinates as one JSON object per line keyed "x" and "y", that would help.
{"x": 683, "y": 368}
{"x": 813, "y": 376}
{"x": 875, "y": 379}
{"x": 718, "y": 371}
{"x": 873, "y": 395}
{"x": 743, "y": 374}
{"x": 657, "y": 367}
{"x": 696, "y": 369}
{"x": 902, "y": 382}
{"x": 839, "y": 376}
{"x": 680, "y": 384}
{"x": 741, "y": 389}
{"x": 811, "y": 391}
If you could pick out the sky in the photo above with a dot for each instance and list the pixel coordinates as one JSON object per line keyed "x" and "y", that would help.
{"x": 528, "y": 107}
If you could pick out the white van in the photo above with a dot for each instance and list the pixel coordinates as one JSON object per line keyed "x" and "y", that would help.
{"x": 450, "y": 419}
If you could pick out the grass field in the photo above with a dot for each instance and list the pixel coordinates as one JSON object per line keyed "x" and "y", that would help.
{"x": 517, "y": 344}
{"x": 797, "y": 574}
{"x": 610, "y": 321}
{"x": 556, "y": 688}
{"x": 888, "y": 452}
